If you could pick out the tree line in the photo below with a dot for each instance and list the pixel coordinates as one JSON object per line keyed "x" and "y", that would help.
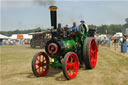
{"x": 9, "y": 33}
{"x": 102, "y": 29}
{"x": 110, "y": 29}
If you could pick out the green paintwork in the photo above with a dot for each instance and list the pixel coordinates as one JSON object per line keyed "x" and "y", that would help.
{"x": 69, "y": 45}
{"x": 56, "y": 63}
{"x": 83, "y": 35}
{"x": 72, "y": 45}
{"x": 53, "y": 64}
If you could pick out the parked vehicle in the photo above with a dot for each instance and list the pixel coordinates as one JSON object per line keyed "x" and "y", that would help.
{"x": 39, "y": 39}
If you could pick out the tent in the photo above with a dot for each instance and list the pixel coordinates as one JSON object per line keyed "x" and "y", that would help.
{"x": 3, "y": 36}
{"x": 21, "y": 36}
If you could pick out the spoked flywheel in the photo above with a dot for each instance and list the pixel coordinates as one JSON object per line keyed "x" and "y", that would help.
{"x": 40, "y": 64}
{"x": 90, "y": 53}
{"x": 70, "y": 65}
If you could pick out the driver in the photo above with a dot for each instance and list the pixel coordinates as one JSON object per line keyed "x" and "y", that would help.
{"x": 74, "y": 27}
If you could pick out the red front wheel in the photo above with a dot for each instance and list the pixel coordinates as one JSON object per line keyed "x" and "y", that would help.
{"x": 40, "y": 64}
{"x": 70, "y": 65}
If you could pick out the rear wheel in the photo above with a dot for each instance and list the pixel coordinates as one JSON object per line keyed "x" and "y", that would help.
{"x": 40, "y": 64}
{"x": 90, "y": 53}
{"x": 70, "y": 65}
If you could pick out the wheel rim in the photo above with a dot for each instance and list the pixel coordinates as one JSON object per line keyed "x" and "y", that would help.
{"x": 72, "y": 65}
{"x": 93, "y": 53}
{"x": 41, "y": 64}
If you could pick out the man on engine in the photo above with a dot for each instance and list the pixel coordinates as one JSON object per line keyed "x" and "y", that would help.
{"x": 74, "y": 27}
{"x": 83, "y": 25}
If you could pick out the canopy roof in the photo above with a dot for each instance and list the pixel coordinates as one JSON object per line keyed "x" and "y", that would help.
{"x": 21, "y": 36}
{"x": 3, "y": 36}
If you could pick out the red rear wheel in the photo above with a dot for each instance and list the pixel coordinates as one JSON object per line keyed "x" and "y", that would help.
{"x": 93, "y": 53}
{"x": 90, "y": 53}
{"x": 70, "y": 65}
{"x": 40, "y": 64}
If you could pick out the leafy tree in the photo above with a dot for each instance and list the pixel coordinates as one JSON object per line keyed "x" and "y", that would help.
{"x": 126, "y": 20}
{"x": 38, "y": 29}
{"x": 92, "y": 26}
{"x": 102, "y": 29}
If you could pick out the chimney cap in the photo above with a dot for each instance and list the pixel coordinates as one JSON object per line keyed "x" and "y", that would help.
{"x": 53, "y": 8}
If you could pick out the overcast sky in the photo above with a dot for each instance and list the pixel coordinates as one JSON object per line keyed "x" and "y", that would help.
{"x": 29, "y": 14}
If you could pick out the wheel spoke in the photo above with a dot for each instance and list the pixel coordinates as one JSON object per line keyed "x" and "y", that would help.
{"x": 71, "y": 59}
{"x": 92, "y": 60}
{"x": 37, "y": 59}
{"x": 37, "y": 64}
{"x": 74, "y": 65}
{"x": 68, "y": 66}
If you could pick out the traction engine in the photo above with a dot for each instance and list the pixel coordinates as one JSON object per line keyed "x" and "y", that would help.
{"x": 67, "y": 50}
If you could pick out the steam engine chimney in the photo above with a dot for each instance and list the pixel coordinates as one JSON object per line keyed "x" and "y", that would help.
{"x": 53, "y": 14}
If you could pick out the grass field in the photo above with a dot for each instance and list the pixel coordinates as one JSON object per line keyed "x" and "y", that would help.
{"x": 15, "y": 69}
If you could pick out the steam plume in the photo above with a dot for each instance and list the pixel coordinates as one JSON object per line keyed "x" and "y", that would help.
{"x": 44, "y": 2}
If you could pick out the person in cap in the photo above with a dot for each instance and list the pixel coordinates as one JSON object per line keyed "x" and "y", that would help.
{"x": 74, "y": 27}
{"x": 83, "y": 26}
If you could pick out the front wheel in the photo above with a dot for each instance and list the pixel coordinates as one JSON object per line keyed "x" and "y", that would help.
{"x": 70, "y": 65}
{"x": 40, "y": 64}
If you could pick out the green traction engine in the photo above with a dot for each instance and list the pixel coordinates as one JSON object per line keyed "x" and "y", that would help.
{"x": 67, "y": 50}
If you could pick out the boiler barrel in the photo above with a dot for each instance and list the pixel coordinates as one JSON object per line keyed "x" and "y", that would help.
{"x": 69, "y": 45}
{"x": 58, "y": 48}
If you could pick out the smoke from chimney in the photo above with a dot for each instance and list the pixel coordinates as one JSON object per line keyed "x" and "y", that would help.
{"x": 44, "y": 2}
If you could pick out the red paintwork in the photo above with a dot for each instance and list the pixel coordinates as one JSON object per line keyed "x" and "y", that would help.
{"x": 56, "y": 48}
{"x": 72, "y": 65}
{"x": 93, "y": 53}
{"x": 40, "y": 60}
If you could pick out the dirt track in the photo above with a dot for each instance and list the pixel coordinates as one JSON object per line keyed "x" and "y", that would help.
{"x": 15, "y": 62}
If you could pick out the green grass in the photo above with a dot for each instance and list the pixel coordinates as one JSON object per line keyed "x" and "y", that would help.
{"x": 15, "y": 69}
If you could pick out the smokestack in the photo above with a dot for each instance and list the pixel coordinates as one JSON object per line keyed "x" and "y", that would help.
{"x": 53, "y": 14}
